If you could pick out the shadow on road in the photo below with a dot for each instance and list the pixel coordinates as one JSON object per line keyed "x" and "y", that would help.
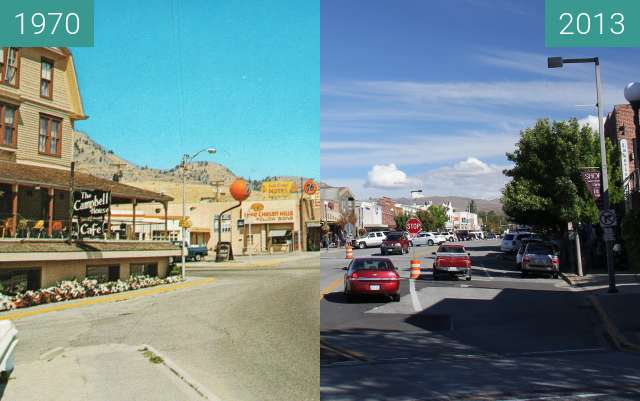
{"x": 480, "y": 342}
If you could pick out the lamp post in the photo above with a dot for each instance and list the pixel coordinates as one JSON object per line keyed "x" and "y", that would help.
{"x": 632, "y": 94}
{"x": 558, "y": 62}
{"x": 186, "y": 159}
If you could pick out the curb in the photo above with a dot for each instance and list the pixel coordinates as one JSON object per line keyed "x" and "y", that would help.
{"x": 344, "y": 352}
{"x": 182, "y": 375}
{"x": 122, "y": 296}
{"x": 567, "y": 279}
{"x": 620, "y": 342}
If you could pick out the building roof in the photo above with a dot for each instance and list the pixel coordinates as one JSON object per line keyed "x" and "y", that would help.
{"x": 18, "y": 246}
{"x": 26, "y": 174}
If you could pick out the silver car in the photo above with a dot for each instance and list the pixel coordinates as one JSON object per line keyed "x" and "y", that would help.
{"x": 540, "y": 258}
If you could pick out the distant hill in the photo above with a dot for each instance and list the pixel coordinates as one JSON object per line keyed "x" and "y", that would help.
{"x": 205, "y": 180}
{"x": 459, "y": 203}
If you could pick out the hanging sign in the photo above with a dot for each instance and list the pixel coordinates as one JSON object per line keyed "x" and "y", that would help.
{"x": 91, "y": 203}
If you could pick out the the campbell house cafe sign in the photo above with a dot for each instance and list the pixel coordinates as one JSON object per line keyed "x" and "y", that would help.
{"x": 91, "y": 208}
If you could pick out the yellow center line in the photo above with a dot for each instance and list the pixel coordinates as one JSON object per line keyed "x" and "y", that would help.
{"x": 20, "y": 314}
{"x": 330, "y": 287}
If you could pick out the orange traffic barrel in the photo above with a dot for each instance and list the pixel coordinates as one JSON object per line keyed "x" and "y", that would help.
{"x": 415, "y": 269}
{"x": 349, "y": 252}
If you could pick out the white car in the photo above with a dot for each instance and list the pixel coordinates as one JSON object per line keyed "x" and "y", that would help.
{"x": 427, "y": 238}
{"x": 371, "y": 240}
{"x": 511, "y": 242}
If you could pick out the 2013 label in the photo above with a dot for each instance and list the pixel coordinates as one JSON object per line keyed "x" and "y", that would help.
{"x": 582, "y": 24}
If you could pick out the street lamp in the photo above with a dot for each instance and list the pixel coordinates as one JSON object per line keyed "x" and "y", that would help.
{"x": 186, "y": 159}
{"x": 632, "y": 94}
{"x": 558, "y": 62}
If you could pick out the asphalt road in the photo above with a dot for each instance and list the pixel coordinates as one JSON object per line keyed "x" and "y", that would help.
{"x": 250, "y": 335}
{"x": 496, "y": 337}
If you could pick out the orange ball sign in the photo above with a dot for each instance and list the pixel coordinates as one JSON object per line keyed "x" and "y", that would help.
{"x": 240, "y": 190}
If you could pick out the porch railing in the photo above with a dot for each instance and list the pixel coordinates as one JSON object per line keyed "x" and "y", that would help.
{"x": 34, "y": 228}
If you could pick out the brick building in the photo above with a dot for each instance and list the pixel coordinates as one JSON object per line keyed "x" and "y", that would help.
{"x": 388, "y": 211}
{"x": 620, "y": 128}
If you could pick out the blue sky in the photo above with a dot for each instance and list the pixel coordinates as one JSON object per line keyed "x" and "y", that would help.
{"x": 431, "y": 94}
{"x": 172, "y": 76}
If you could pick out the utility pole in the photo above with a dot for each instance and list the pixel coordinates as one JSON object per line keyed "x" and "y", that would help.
{"x": 605, "y": 178}
{"x": 217, "y": 184}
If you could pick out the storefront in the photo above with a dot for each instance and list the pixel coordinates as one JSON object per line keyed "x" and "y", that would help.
{"x": 271, "y": 226}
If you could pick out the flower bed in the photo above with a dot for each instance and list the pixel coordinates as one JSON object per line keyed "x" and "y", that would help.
{"x": 74, "y": 289}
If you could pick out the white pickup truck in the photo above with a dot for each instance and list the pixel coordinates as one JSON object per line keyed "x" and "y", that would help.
{"x": 371, "y": 240}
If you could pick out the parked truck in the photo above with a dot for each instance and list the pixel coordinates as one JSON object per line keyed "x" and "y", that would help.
{"x": 192, "y": 252}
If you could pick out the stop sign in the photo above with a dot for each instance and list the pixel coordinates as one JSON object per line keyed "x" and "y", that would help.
{"x": 414, "y": 226}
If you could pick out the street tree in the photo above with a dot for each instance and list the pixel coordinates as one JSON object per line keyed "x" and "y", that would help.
{"x": 472, "y": 206}
{"x": 546, "y": 188}
{"x": 401, "y": 221}
{"x": 434, "y": 218}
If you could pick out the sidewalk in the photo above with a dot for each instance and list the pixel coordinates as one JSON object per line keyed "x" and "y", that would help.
{"x": 257, "y": 261}
{"x": 104, "y": 372}
{"x": 618, "y": 311}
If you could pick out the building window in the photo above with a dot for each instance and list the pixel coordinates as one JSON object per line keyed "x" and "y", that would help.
{"x": 46, "y": 79}
{"x": 143, "y": 269}
{"x": 8, "y": 125}
{"x": 16, "y": 281}
{"x": 10, "y": 66}
{"x": 49, "y": 141}
{"x": 103, "y": 273}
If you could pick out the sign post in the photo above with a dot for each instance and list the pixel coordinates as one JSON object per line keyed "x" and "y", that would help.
{"x": 413, "y": 226}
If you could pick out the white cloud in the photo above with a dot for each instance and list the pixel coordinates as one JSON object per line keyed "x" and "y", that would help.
{"x": 422, "y": 149}
{"x": 388, "y": 177}
{"x": 470, "y": 177}
{"x": 591, "y": 121}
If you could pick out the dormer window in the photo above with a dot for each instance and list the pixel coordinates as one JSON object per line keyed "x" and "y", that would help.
{"x": 46, "y": 79}
{"x": 10, "y": 66}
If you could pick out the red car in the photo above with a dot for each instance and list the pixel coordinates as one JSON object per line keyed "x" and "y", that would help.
{"x": 371, "y": 276}
{"x": 395, "y": 242}
{"x": 452, "y": 259}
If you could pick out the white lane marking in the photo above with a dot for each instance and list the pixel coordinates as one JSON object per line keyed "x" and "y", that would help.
{"x": 486, "y": 272}
{"x": 414, "y": 296}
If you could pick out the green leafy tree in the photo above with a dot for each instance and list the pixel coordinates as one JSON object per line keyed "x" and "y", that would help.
{"x": 401, "y": 221}
{"x": 434, "y": 218}
{"x": 472, "y": 206}
{"x": 547, "y": 189}
{"x": 491, "y": 221}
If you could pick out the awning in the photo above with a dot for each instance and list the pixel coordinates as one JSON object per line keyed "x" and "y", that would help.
{"x": 278, "y": 233}
{"x": 26, "y": 174}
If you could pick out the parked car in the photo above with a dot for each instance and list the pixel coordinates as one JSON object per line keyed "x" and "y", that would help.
{"x": 476, "y": 235}
{"x": 541, "y": 258}
{"x": 452, "y": 259}
{"x": 373, "y": 239}
{"x": 448, "y": 235}
{"x": 395, "y": 242}
{"x": 512, "y": 241}
{"x": 428, "y": 238}
{"x": 523, "y": 246}
{"x": 371, "y": 276}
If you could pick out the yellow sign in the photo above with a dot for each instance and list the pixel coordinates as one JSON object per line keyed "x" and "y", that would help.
{"x": 185, "y": 222}
{"x": 256, "y": 207}
{"x": 278, "y": 188}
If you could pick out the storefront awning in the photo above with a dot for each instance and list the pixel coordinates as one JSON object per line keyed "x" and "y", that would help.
{"x": 278, "y": 233}
{"x": 26, "y": 174}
